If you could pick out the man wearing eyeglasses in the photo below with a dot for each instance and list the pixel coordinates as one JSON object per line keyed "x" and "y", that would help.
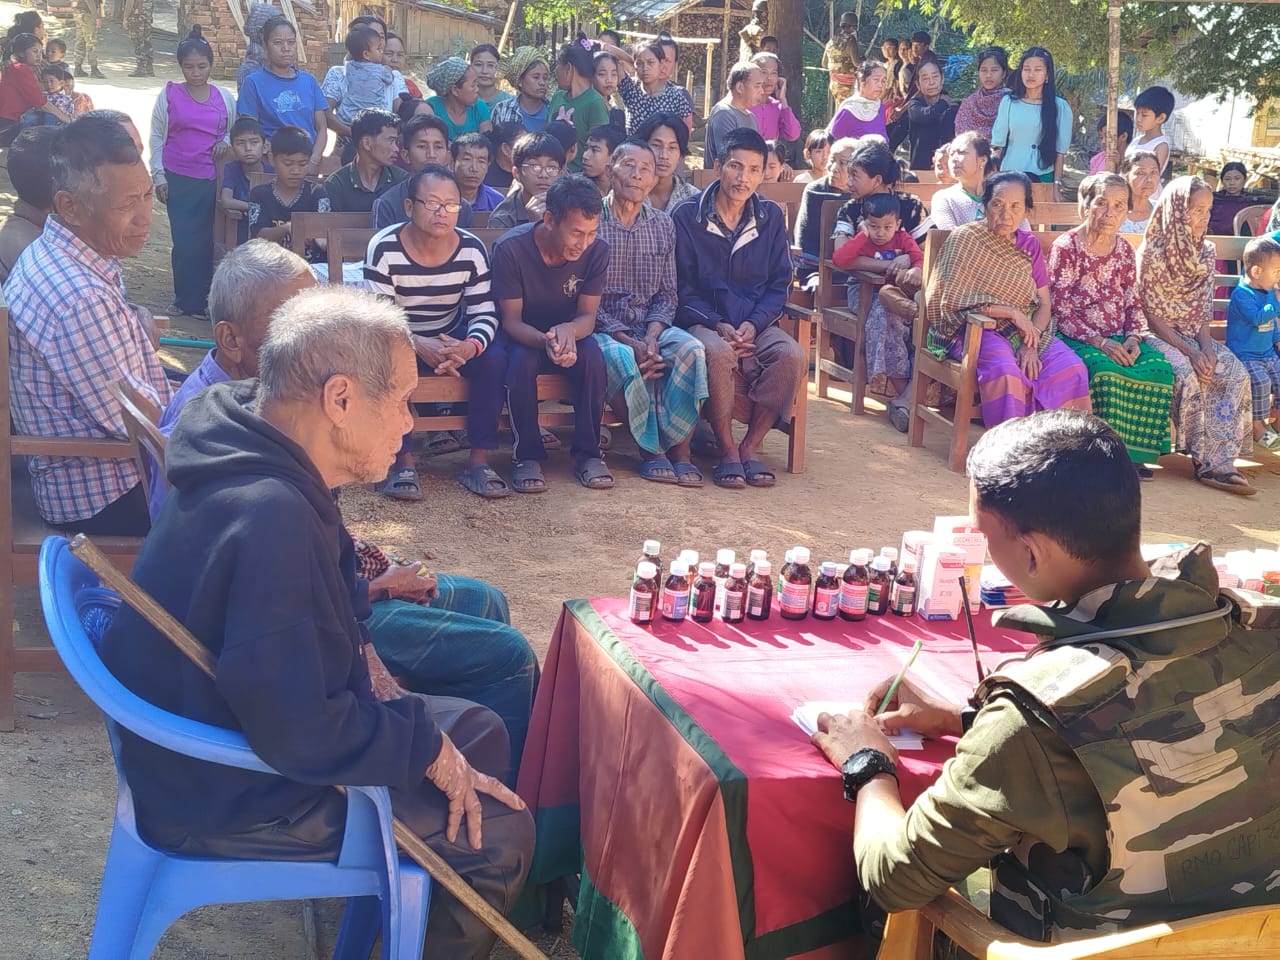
{"x": 536, "y": 161}
{"x": 439, "y": 275}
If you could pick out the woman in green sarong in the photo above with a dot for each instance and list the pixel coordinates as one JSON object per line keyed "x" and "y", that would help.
{"x": 1094, "y": 290}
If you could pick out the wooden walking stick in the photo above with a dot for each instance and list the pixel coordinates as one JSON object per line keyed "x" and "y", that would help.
{"x": 412, "y": 844}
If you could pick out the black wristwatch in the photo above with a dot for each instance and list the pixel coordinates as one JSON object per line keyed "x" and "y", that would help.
{"x": 861, "y": 767}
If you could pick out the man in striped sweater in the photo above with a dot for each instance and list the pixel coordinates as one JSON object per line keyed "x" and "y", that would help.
{"x": 439, "y": 275}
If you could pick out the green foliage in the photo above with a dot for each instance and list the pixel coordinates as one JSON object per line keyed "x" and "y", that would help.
{"x": 1202, "y": 49}
{"x": 1233, "y": 49}
{"x": 814, "y": 108}
{"x": 550, "y": 13}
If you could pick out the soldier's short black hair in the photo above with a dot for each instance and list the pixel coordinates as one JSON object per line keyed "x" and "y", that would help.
{"x": 1064, "y": 474}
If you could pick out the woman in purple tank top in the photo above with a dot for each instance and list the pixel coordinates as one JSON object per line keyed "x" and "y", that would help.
{"x": 189, "y": 135}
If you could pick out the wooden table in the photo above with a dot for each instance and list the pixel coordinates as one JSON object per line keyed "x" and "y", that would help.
{"x": 663, "y": 765}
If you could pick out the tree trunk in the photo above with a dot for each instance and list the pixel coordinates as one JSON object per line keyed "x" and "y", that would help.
{"x": 786, "y": 22}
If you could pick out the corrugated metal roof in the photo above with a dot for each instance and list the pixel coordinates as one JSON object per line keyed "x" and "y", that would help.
{"x": 652, "y": 9}
{"x": 474, "y": 15}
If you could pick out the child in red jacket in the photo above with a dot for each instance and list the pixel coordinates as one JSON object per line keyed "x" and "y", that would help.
{"x": 882, "y": 246}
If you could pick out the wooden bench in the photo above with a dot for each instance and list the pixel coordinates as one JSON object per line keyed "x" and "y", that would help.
{"x": 22, "y": 531}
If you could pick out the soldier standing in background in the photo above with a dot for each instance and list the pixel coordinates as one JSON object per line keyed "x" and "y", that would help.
{"x": 139, "y": 19}
{"x": 841, "y": 58}
{"x": 749, "y": 37}
{"x": 87, "y": 16}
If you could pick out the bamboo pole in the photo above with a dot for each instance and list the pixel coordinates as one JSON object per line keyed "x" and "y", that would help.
{"x": 412, "y": 844}
{"x": 1113, "y": 82}
{"x": 706, "y": 90}
{"x": 506, "y": 30}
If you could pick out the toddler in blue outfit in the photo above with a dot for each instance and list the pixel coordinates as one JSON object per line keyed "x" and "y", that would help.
{"x": 1253, "y": 333}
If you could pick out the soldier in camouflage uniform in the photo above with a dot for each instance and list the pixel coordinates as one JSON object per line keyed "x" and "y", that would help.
{"x": 87, "y": 16}
{"x": 841, "y": 59}
{"x": 139, "y": 20}
{"x": 1127, "y": 769}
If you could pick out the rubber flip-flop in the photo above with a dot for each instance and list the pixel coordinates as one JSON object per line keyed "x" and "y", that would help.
{"x": 485, "y": 482}
{"x": 593, "y": 474}
{"x": 526, "y": 477}
{"x": 729, "y": 475}
{"x": 1220, "y": 480}
{"x": 758, "y": 475}
{"x": 402, "y": 485}
{"x": 687, "y": 475}
{"x": 659, "y": 470}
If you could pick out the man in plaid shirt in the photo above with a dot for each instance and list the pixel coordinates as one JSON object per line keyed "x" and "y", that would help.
{"x": 72, "y": 332}
{"x": 656, "y": 372}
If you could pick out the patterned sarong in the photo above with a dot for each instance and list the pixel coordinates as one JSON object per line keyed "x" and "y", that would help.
{"x": 662, "y": 412}
{"x": 1134, "y": 400}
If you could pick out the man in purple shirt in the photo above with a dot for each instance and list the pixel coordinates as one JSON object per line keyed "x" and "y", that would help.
{"x": 250, "y": 283}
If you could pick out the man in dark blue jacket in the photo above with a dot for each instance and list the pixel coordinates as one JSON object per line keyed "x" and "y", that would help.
{"x": 733, "y": 274}
{"x": 251, "y": 554}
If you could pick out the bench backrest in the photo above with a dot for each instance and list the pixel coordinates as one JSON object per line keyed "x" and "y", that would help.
{"x": 141, "y": 416}
{"x": 305, "y": 227}
{"x": 346, "y": 245}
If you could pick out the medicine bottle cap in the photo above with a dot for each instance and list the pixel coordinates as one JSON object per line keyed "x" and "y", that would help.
{"x": 864, "y": 556}
{"x": 706, "y": 569}
{"x": 800, "y": 555}
{"x": 679, "y": 568}
{"x": 652, "y": 547}
{"x": 789, "y": 555}
{"x": 890, "y": 552}
{"x": 690, "y": 557}
{"x": 880, "y": 564}
{"x": 909, "y": 564}
{"x": 646, "y": 570}
{"x": 763, "y": 568}
{"x": 758, "y": 555}
{"x": 828, "y": 568}
{"x": 725, "y": 557}
{"x": 737, "y": 570}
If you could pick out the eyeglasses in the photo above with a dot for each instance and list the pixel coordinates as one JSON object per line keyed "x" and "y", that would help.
{"x": 435, "y": 206}
{"x": 540, "y": 170}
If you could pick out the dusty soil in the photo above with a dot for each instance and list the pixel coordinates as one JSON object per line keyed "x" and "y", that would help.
{"x": 862, "y": 487}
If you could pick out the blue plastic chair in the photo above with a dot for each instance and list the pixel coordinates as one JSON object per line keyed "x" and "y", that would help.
{"x": 144, "y": 889}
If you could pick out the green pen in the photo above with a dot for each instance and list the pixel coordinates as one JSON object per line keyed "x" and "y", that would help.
{"x": 893, "y": 687}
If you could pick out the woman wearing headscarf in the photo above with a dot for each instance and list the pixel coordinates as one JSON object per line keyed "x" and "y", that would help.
{"x": 994, "y": 268}
{"x": 1211, "y": 406}
{"x": 527, "y": 72}
{"x": 978, "y": 110}
{"x": 457, "y": 101}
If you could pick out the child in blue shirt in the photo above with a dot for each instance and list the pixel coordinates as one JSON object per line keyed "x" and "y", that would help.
{"x": 1253, "y": 333}
{"x": 247, "y": 148}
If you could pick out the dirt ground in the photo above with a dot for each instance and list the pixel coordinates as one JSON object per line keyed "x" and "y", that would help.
{"x": 862, "y": 487}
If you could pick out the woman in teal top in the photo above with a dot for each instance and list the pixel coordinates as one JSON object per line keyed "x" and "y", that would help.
{"x": 1033, "y": 124}
{"x": 577, "y": 100}
{"x": 457, "y": 101}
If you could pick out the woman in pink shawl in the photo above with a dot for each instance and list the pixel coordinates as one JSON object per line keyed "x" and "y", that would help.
{"x": 978, "y": 110}
{"x": 1211, "y": 398}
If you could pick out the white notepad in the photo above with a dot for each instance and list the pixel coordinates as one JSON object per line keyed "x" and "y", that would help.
{"x": 806, "y": 718}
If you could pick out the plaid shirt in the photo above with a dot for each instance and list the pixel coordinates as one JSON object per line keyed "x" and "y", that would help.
{"x": 640, "y": 286}
{"x": 71, "y": 333}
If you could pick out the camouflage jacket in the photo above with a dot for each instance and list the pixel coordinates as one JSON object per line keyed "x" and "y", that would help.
{"x": 1173, "y": 709}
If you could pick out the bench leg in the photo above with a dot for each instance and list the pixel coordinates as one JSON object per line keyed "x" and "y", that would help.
{"x": 6, "y": 650}
{"x": 919, "y": 387}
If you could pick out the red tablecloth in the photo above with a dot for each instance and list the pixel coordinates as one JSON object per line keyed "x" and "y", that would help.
{"x": 709, "y": 826}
